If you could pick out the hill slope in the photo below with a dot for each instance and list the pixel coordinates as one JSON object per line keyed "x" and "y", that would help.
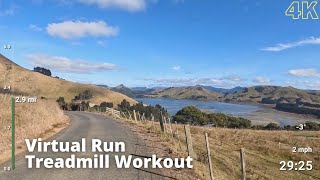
{"x": 272, "y": 94}
{"x": 31, "y": 83}
{"x": 124, "y": 90}
{"x": 192, "y": 92}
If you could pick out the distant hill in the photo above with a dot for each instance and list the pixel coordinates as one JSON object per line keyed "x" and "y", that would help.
{"x": 192, "y": 92}
{"x": 124, "y": 90}
{"x": 272, "y": 95}
{"x": 104, "y": 86}
{"x": 223, "y": 90}
{"x": 31, "y": 83}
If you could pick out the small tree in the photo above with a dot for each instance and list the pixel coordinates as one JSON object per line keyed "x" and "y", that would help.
{"x": 124, "y": 105}
{"x": 272, "y": 126}
{"x": 62, "y": 103}
{"x": 106, "y": 104}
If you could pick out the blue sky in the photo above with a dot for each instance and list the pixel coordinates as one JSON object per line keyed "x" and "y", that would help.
{"x": 164, "y": 42}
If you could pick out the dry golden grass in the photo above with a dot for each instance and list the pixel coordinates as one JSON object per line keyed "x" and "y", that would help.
{"x": 36, "y": 84}
{"x": 262, "y": 151}
{"x": 32, "y": 121}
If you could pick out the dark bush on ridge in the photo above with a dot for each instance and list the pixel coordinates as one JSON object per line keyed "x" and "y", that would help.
{"x": 42, "y": 70}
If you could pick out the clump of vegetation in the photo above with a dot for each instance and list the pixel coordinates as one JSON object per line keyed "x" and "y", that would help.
{"x": 62, "y": 104}
{"x": 194, "y": 116}
{"x": 79, "y": 103}
{"x": 102, "y": 107}
{"x": 272, "y": 126}
{"x": 86, "y": 95}
{"x": 147, "y": 110}
{"x": 42, "y": 70}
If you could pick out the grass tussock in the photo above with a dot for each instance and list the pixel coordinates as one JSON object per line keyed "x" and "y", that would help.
{"x": 33, "y": 120}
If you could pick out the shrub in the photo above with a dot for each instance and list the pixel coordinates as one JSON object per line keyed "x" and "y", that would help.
{"x": 42, "y": 70}
{"x": 272, "y": 126}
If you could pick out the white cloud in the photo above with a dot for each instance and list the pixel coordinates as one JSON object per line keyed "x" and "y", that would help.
{"x": 232, "y": 78}
{"x": 34, "y": 27}
{"x": 193, "y": 81}
{"x": 10, "y": 11}
{"x": 102, "y": 43}
{"x": 66, "y": 65}
{"x": 130, "y": 5}
{"x": 261, "y": 80}
{"x": 78, "y": 29}
{"x": 176, "y": 68}
{"x": 304, "y": 72}
{"x": 281, "y": 47}
{"x": 315, "y": 85}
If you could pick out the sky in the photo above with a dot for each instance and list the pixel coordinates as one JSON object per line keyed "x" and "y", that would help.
{"x": 164, "y": 42}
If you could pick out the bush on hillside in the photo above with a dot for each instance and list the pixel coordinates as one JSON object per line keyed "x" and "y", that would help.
{"x": 85, "y": 95}
{"x": 42, "y": 70}
{"x": 272, "y": 126}
{"x": 140, "y": 108}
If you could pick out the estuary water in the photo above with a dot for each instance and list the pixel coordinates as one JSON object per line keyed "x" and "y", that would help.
{"x": 258, "y": 114}
{"x": 174, "y": 105}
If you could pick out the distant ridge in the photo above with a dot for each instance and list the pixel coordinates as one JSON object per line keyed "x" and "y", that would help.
{"x": 273, "y": 94}
{"x": 124, "y": 90}
{"x": 191, "y": 92}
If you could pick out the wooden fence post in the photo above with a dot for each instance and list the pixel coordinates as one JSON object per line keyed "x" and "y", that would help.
{"x": 152, "y": 119}
{"x": 177, "y": 134}
{"x": 135, "y": 116}
{"x": 243, "y": 164}
{"x": 169, "y": 119}
{"x": 139, "y": 116}
{"x": 209, "y": 156}
{"x": 165, "y": 124}
{"x": 161, "y": 123}
{"x": 124, "y": 115}
{"x": 130, "y": 116}
{"x": 189, "y": 140}
{"x": 176, "y": 129}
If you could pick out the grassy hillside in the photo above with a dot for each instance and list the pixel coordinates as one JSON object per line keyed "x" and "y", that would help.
{"x": 31, "y": 83}
{"x": 192, "y": 92}
{"x": 32, "y": 121}
{"x": 273, "y": 93}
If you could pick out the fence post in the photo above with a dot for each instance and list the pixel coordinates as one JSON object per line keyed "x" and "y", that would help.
{"x": 139, "y": 116}
{"x": 152, "y": 119}
{"x": 130, "y": 116}
{"x": 209, "y": 156}
{"x": 124, "y": 115}
{"x": 169, "y": 119}
{"x": 161, "y": 122}
{"x": 177, "y": 134}
{"x": 243, "y": 164}
{"x": 135, "y": 116}
{"x": 176, "y": 129}
{"x": 165, "y": 124}
{"x": 189, "y": 140}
